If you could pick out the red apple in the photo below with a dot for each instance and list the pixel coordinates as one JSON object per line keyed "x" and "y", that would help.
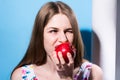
{"x": 64, "y": 48}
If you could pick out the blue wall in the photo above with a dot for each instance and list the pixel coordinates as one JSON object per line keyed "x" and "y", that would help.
{"x": 16, "y": 22}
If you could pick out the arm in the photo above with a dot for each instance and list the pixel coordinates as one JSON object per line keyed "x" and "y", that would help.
{"x": 97, "y": 73}
{"x": 17, "y": 74}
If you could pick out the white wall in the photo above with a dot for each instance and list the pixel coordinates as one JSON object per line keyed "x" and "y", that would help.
{"x": 104, "y": 26}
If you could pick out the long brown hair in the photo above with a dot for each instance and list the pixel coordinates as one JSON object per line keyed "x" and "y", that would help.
{"x": 35, "y": 53}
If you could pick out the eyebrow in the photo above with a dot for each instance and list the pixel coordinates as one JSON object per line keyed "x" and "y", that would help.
{"x": 68, "y": 29}
{"x": 57, "y": 28}
{"x": 52, "y": 28}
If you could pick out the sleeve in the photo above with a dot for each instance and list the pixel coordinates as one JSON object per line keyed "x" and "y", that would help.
{"x": 28, "y": 73}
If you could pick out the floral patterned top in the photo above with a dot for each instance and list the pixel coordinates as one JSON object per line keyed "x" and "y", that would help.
{"x": 28, "y": 72}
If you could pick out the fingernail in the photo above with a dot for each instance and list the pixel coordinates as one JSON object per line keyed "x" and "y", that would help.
{"x": 59, "y": 53}
{"x": 68, "y": 54}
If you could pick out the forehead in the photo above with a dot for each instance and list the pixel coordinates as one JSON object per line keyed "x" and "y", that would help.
{"x": 59, "y": 20}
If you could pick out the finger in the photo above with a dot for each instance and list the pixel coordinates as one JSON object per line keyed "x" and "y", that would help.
{"x": 55, "y": 59}
{"x": 62, "y": 61}
{"x": 70, "y": 58}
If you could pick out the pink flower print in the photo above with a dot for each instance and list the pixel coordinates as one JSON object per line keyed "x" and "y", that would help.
{"x": 23, "y": 72}
{"x": 35, "y": 78}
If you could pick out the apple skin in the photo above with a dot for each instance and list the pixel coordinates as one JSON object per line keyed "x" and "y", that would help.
{"x": 64, "y": 48}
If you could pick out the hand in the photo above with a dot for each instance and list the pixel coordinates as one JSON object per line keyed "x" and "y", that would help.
{"x": 65, "y": 70}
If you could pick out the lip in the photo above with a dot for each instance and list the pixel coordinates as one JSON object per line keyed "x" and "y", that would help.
{"x": 57, "y": 45}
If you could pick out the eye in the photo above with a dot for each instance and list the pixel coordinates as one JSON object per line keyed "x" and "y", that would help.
{"x": 69, "y": 31}
{"x": 53, "y": 31}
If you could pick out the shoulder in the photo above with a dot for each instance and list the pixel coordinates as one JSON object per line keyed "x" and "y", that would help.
{"x": 98, "y": 70}
{"x": 17, "y": 74}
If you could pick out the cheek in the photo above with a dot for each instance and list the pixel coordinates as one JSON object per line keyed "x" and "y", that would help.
{"x": 70, "y": 37}
{"x": 49, "y": 44}
{"x": 49, "y": 39}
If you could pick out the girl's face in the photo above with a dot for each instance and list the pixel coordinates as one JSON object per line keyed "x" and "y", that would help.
{"x": 57, "y": 31}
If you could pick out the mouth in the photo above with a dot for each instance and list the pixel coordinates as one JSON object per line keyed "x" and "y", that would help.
{"x": 57, "y": 45}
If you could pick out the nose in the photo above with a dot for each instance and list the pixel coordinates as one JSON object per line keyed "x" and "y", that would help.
{"x": 63, "y": 37}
